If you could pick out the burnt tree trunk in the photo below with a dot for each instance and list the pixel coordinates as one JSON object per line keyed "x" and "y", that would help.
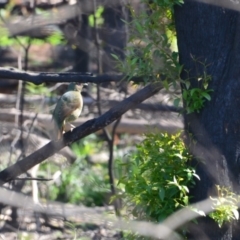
{"x": 82, "y": 55}
{"x": 114, "y": 35}
{"x": 211, "y": 34}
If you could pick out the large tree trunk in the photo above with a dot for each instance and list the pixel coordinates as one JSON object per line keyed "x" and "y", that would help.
{"x": 212, "y": 34}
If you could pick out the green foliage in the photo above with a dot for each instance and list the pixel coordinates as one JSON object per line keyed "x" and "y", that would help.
{"x": 41, "y": 89}
{"x": 225, "y": 206}
{"x": 158, "y": 178}
{"x": 152, "y": 54}
{"x": 149, "y": 53}
{"x": 195, "y": 97}
{"x": 80, "y": 183}
{"x": 6, "y": 41}
{"x": 98, "y": 16}
{"x": 56, "y": 39}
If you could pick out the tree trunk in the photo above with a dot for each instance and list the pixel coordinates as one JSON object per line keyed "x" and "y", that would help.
{"x": 113, "y": 35}
{"x": 211, "y": 34}
{"x": 82, "y": 55}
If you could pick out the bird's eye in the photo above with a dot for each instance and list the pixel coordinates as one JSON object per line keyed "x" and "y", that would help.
{"x": 64, "y": 98}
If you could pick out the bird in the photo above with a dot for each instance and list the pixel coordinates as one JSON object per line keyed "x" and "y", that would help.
{"x": 68, "y": 108}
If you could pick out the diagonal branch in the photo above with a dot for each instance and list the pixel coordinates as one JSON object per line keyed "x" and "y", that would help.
{"x": 78, "y": 133}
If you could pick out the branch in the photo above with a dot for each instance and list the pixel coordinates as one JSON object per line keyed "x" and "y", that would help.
{"x": 55, "y": 16}
{"x": 78, "y": 133}
{"x": 39, "y": 78}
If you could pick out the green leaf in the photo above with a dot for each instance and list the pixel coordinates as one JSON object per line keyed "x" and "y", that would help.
{"x": 176, "y": 102}
{"x": 134, "y": 60}
{"x": 200, "y": 212}
{"x": 139, "y": 27}
{"x": 186, "y": 200}
{"x": 196, "y": 176}
{"x": 206, "y": 95}
{"x": 115, "y": 56}
{"x": 192, "y": 91}
{"x": 185, "y": 188}
{"x": 161, "y": 193}
{"x": 235, "y": 213}
{"x": 178, "y": 155}
{"x": 98, "y": 17}
{"x": 55, "y": 39}
{"x": 175, "y": 180}
{"x": 187, "y": 84}
{"x": 185, "y": 94}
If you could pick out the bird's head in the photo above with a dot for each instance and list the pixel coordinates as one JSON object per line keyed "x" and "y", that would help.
{"x": 74, "y": 86}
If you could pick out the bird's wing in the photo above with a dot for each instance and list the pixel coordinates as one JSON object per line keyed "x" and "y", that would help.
{"x": 65, "y": 107}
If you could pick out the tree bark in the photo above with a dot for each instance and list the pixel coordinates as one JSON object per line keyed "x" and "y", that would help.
{"x": 82, "y": 55}
{"x": 114, "y": 35}
{"x": 211, "y": 34}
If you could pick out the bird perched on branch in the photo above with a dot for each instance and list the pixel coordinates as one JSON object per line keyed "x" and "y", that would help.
{"x": 68, "y": 108}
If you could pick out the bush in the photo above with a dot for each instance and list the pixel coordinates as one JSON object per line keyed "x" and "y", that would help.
{"x": 80, "y": 182}
{"x": 158, "y": 179}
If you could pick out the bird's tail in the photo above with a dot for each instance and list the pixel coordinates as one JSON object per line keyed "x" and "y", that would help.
{"x": 57, "y": 132}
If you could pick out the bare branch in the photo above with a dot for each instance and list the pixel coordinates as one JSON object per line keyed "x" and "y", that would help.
{"x": 55, "y": 16}
{"x": 34, "y": 179}
{"x": 39, "y": 78}
{"x": 78, "y": 133}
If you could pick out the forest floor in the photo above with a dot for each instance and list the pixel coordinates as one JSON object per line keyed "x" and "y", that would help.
{"x": 84, "y": 224}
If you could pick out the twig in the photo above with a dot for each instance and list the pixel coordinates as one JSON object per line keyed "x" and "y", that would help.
{"x": 19, "y": 90}
{"x": 34, "y": 179}
{"x": 110, "y": 169}
{"x": 22, "y": 102}
{"x": 78, "y": 133}
{"x": 96, "y": 38}
{"x": 109, "y": 138}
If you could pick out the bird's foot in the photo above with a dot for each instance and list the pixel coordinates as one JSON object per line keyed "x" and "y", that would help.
{"x": 72, "y": 127}
{"x": 69, "y": 127}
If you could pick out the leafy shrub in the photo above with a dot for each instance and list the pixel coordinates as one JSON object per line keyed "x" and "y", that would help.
{"x": 225, "y": 206}
{"x": 80, "y": 182}
{"x": 158, "y": 180}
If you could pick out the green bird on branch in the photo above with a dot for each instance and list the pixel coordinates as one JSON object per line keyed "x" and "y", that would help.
{"x": 68, "y": 109}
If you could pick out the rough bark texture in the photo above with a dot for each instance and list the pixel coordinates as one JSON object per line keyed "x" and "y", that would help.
{"x": 212, "y": 34}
